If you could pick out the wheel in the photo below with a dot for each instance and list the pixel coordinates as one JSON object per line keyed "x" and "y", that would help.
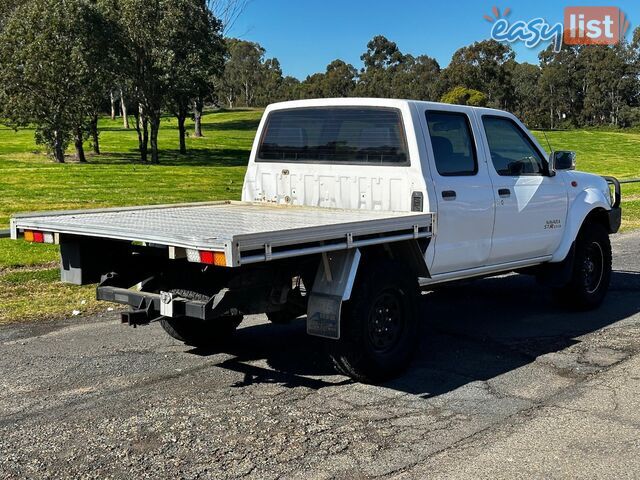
{"x": 196, "y": 332}
{"x": 591, "y": 270}
{"x": 378, "y": 325}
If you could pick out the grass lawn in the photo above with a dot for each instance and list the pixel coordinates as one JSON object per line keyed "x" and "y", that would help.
{"x": 213, "y": 169}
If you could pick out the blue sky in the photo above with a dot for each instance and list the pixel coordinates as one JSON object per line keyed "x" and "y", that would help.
{"x": 305, "y": 35}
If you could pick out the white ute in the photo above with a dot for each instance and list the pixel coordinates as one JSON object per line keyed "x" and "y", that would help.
{"x": 350, "y": 208}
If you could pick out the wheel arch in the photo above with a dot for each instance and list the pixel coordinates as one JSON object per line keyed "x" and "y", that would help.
{"x": 589, "y": 206}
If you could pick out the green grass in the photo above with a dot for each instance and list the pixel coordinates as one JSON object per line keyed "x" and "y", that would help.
{"x": 213, "y": 169}
{"x": 36, "y": 293}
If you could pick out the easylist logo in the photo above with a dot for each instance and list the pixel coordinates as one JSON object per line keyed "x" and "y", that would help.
{"x": 594, "y": 25}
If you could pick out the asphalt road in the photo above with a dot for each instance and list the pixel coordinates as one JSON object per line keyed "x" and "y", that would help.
{"x": 506, "y": 385}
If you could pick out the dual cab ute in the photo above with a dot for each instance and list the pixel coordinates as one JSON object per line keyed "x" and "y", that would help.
{"x": 350, "y": 207}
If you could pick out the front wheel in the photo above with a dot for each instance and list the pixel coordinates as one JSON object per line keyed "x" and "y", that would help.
{"x": 591, "y": 270}
{"x": 378, "y": 325}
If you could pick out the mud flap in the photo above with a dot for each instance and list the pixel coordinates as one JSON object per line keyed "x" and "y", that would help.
{"x": 332, "y": 285}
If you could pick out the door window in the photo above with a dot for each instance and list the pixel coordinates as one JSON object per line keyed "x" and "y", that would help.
{"x": 512, "y": 152}
{"x": 452, "y": 143}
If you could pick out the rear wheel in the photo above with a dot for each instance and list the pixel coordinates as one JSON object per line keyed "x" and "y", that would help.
{"x": 378, "y": 325}
{"x": 196, "y": 332}
{"x": 591, "y": 270}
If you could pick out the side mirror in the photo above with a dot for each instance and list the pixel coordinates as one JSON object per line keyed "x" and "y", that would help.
{"x": 563, "y": 160}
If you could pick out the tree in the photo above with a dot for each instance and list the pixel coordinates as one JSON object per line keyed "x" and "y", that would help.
{"x": 417, "y": 78}
{"x": 242, "y": 73}
{"x": 49, "y": 57}
{"x": 193, "y": 34}
{"x": 381, "y": 61}
{"x": 7, "y": 8}
{"x": 525, "y": 92}
{"x": 313, "y": 86}
{"x": 339, "y": 79}
{"x": 483, "y": 66}
{"x": 290, "y": 89}
{"x": 560, "y": 85}
{"x": 154, "y": 53}
{"x": 465, "y": 96}
{"x": 269, "y": 83}
{"x": 227, "y": 11}
{"x": 610, "y": 82}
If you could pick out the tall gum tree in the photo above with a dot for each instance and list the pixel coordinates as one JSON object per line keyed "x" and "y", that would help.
{"x": 49, "y": 54}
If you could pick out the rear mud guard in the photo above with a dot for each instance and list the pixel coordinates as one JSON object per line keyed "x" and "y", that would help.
{"x": 333, "y": 283}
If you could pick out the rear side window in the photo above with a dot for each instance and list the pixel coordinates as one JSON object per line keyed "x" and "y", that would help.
{"x": 339, "y": 135}
{"x": 512, "y": 152}
{"x": 452, "y": 142}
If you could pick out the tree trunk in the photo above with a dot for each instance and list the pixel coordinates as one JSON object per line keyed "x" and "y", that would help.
{"x": 155, "y": 128}
{"x": 113, "y": 105}
{"x": 198, "y": 107}
{"x": 123, "y": 110}
{"x": 58, "y": 150}
{"x": 95, "y": 135}
{"x": 182, "y": 132}
{"x": 80, "y": 146}
{"x": 247, "y": 98}
{"x": 143, "y": 133}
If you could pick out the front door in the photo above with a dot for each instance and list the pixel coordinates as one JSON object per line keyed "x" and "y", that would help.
{"x": 531, "y": 206}
{"x": 464, "y": 193}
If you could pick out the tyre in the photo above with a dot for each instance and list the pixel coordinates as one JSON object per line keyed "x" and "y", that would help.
{"x": 199, "y": 333}
{"x": 378, "y": 324}
{"x": 591, "y": 270}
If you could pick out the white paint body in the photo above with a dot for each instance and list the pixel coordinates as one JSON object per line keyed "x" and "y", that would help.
{"x": 476, "y": 233}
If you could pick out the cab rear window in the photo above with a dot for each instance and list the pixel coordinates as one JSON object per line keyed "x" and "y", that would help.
{"x": 338, "y": 135}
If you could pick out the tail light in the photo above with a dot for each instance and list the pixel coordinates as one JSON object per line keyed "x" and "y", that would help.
{"x": 218, "y": 259}
{"x": 34, "y": 236}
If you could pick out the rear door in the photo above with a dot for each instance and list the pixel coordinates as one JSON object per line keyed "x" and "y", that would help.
{"x": 464, "y": 192}
{"x": 531, "y": 206}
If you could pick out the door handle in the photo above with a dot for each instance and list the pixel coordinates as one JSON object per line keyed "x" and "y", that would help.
{"x": 449, "y": 194}
{"x": 504, "y": 192}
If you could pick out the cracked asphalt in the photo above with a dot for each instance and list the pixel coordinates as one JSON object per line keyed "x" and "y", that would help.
{"x": 505, "y": 385}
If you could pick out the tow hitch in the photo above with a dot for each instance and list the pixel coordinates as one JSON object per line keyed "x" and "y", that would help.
{"x": 143, "y": 315}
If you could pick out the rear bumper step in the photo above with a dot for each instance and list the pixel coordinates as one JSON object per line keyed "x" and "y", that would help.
{"x": 147, "y": 306}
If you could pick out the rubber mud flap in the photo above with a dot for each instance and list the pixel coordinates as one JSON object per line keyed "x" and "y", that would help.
{"x": 324, "y": 319}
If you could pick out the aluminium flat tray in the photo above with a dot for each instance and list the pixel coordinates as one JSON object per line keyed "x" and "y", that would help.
{"x": 246, "y": 232}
